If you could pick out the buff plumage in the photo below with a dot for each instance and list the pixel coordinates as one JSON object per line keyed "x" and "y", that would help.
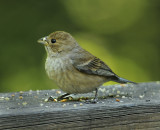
{"x": 74, "y": 69}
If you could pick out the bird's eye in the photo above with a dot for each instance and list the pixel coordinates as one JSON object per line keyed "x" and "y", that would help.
{"x": 53, "y": 40}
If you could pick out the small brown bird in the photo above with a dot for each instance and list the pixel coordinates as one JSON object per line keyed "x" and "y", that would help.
{"x": 74, "y": 69}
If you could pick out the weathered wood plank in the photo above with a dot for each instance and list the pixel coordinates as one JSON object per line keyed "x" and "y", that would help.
{"x": 138, "y": 108}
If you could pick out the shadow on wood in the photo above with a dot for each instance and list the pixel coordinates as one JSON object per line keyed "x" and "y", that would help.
{"x": 119, "y": 107}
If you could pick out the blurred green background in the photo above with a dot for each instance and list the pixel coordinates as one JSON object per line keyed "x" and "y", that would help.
{"x": 125, "y": 34}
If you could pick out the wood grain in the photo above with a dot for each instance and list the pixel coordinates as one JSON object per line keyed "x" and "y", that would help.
{"x": 137, "y": 107}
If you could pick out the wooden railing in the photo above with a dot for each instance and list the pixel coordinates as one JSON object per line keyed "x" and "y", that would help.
{"x": 119, "y": 107}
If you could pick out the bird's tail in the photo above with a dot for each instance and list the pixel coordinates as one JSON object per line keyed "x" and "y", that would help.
{"x": 122, "y": 80}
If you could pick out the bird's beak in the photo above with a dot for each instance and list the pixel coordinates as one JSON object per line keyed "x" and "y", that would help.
{"x": 43, "y": 41}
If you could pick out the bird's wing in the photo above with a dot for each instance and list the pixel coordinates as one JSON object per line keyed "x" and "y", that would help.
{"x": 95, "y": 67}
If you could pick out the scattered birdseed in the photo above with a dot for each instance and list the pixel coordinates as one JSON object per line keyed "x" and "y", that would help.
{"x": 63, "y": 105}
{"x": 20, "y": 97}
{"x": 123, "y": 85}
{"x": 158, "y": 82}
{"x": 117, "y": 100}
{"x": 55, "y": 100}
{"x": 46, "y": 100}
{"x": 1, "y": 98}
{"x": 24, "y": 103}
{"x": 141, "y": 96}
{"x": 21, "y": 92}
{"x": 81, "y": 99}
{"x": 6, "y": 98}
{"x": 13, "y": 95}
{"x": 118, "y": 92}
{"x": 81, "y": 104}
{"x": 30, "y": 92}
{"x": 63, "y": 100}
{"x": 58, "y": 92}
{"x": 110, "y": 94}
{"x": 123, "y": 96}
{"x": 37, "y": 91}
{"x": 117, "y": 96}
{"x": 75, "y": 105}
{"x": 41, "y": 104}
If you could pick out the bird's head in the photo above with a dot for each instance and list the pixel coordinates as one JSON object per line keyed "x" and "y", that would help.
{"x": 58, "y": 42}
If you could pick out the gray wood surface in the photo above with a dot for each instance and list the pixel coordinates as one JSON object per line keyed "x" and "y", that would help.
{"x": 119, "y": 107}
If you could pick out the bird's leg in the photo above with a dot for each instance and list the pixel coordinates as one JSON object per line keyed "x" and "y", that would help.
{"x": 95, "y": 98}
{"x": 62, "y": 96}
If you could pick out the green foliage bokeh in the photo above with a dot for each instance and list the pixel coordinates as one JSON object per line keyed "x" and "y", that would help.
{"x": 124, "y": 34}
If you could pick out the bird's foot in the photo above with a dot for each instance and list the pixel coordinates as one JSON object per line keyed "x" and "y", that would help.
{"x": 60, "y": 98}
{"x": 92, "y": 101}
{"x": 51, "y": 98}
{"x": 57, "y": 99}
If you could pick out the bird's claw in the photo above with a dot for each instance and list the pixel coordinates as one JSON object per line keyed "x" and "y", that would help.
{"x": 51, "y": 98}
{"x": 92, "y": 101}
